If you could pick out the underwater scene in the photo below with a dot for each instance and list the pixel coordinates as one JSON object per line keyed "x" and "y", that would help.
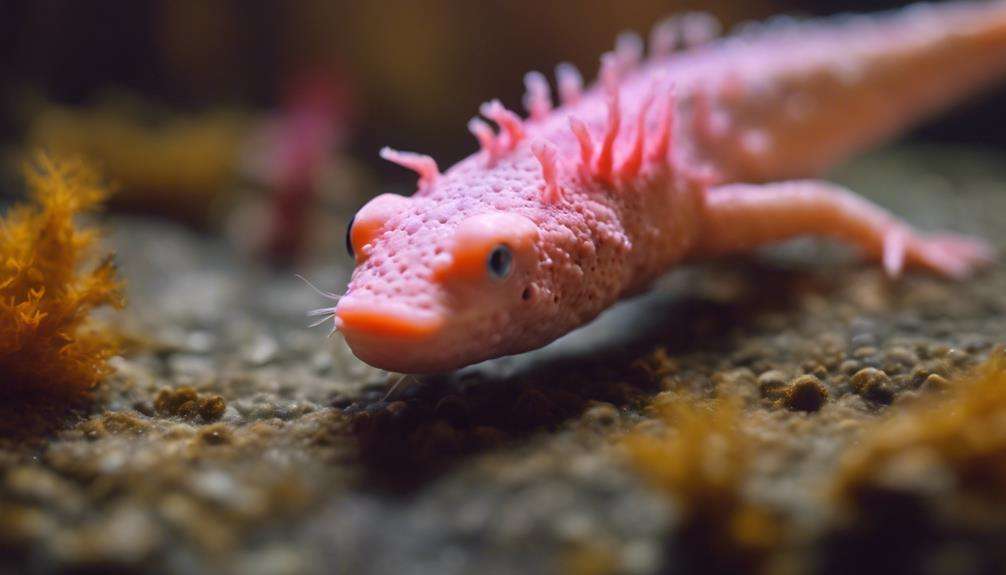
{"x": 449, "y": 287}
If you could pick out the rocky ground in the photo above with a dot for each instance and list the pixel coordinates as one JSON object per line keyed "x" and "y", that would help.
{"x": 234, "y": 440}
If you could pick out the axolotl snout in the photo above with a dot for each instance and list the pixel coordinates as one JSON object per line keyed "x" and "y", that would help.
{"x": 688, "y": 153}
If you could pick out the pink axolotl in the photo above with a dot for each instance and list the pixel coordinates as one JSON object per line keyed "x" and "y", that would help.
{"x": 689, "y": 153}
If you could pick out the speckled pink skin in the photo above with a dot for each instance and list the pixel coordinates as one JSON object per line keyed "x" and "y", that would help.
{"x": 598, "y": 197}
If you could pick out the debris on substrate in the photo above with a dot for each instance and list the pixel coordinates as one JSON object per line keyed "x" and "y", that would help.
{"x": 232, "y": 439}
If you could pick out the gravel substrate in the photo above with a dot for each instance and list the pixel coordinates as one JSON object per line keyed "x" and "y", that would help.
{"x": 234, "y": 440}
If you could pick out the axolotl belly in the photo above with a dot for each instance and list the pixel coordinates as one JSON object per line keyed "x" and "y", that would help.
{"x": 692, "y": 152}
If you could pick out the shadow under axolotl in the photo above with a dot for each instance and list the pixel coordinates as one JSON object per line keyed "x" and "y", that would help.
{"x": 423, "y": 426}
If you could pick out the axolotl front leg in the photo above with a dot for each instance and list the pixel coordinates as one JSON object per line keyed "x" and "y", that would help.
{"x": 740, "y": 217}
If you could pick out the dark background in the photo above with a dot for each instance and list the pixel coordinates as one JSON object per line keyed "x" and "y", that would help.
{"x": 416, "y": 71}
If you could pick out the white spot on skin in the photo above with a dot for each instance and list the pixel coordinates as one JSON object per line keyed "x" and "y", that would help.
{"x": 755, "y": 142}
{"x": 441, "y": 261}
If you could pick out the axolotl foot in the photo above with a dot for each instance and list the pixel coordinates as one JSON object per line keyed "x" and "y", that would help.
{"x": 951, "y": 255}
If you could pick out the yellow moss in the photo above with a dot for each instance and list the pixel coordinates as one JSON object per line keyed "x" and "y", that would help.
{"x": 49, "y": 282}
{"x": 700, "y": 458}
{"x": 964, "y": 431}
{"x": 701, "y": 461}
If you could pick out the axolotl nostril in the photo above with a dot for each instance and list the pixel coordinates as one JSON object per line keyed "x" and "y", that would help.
{"x": 693, "y": 152}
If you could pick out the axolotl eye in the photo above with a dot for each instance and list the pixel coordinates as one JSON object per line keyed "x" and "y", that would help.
{"x": 491, "y": 247}
{"x": 500, "y": 262}
{"x": 349, "y": 237}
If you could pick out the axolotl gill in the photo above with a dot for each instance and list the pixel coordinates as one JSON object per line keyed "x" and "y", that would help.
{"x": 700, "y": 148}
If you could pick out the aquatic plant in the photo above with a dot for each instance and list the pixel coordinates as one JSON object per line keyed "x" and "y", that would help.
{"x": 925, "y": 479}
{"x": 701, "y": 461}
{"x": 50, "y": 280}
{"x": 961, "y": 433}
{"x": 178, "y": 165}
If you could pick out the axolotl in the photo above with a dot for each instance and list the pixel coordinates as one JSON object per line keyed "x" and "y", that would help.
{"x": 701, "y": 148}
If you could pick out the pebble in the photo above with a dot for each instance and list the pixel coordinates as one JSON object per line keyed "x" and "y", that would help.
{"x": 262, "y": 350}
{"x": 958, "y": 357}
{"x": 901, "y": 357}
{"x": 805, "y": 393}
{"x": 772, "y": 384}
{"x": 935, "y": 382}
{"x": 863, "y": 340}
{"x": 864, "y": 352}
{"x": 217, "y": 434}
{"x": 868, "y": 377}
{"x": 849, "y": 366}
{"x": 873, "y": 384}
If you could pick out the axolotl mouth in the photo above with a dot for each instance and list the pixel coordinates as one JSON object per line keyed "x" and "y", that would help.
{"x": 386, "y": 322}
{"x": 392, "y": 337}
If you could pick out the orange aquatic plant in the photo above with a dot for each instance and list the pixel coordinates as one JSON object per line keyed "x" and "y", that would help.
{"x": 50, "y": 280}
{"x": 701, "y": 457}
{"x": 962, "y": 433}
{"x": 701, "y": 460}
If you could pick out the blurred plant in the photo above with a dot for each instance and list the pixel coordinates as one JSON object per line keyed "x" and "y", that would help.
{"x": 701, "y": 460}
{"x": 961, "y": 435}
{"x": 181, "y": 166}
{"x": 49, "y": 285}
{"x": 297, "y": 147}
{"x": 927, "y": 479}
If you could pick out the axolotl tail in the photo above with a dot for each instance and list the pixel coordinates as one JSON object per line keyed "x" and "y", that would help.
{"x": 793, "y": 99}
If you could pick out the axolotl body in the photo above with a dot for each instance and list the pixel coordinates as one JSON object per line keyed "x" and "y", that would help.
{"x": 695, "y": 151}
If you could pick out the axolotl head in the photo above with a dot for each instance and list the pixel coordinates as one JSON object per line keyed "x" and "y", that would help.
{"x": 440, "y": 283}
{"x": 497, "y": 255}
